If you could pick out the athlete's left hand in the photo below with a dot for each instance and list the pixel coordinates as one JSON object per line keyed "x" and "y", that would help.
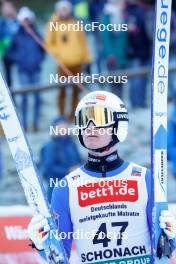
{"x": 168, "y": 223}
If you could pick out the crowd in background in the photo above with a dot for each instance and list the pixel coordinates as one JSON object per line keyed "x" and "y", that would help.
{"x": 113, "y": 50}
{"x": 20, "y": 46}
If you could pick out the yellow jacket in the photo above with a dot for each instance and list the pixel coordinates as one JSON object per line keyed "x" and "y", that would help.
{"x": 69, "y": 47}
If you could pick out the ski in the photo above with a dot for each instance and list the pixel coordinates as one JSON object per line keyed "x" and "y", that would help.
{"x": 160, "y": 248}
{"x": 27, "y": 171}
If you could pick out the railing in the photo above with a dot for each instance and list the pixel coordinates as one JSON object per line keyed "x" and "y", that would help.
{"x": 44, "y": 88}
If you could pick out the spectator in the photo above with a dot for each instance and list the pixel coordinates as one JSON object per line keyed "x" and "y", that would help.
{"x": 8, "y": 27}
{"x": 115, "y": 43}
{"x": 28, "y": 56}
{"x": 139, "y": 51}
{"x": 59, "y": 156}
{"x": 95, "y": 9}
{"x": 172, "y": 137}
{"x": 70, "y": 48}
{"x": 95, "y": 12}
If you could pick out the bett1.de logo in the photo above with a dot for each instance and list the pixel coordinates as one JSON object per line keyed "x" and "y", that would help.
{"x": 108, "y": 191}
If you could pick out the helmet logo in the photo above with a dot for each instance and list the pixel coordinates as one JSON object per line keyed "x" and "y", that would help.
{"x": 101, "y": 97}
{"x": 97, "y": 96}
{"x": 123, "y": 116}
{"x": 90, "y": 103}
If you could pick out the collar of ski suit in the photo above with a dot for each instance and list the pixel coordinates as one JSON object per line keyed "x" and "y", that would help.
{"x": 104, "y": 164}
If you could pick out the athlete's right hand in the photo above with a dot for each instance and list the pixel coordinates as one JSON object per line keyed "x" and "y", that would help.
{"x": 38, "y": 230}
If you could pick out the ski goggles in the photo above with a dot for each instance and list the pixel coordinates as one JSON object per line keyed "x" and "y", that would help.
{"x": 100, "y": 116}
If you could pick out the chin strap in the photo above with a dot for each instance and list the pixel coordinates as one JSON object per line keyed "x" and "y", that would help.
{"x": 113, "y": 142}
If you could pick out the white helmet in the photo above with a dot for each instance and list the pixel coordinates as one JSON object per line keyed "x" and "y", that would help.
{"x": 105, "y": 109}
